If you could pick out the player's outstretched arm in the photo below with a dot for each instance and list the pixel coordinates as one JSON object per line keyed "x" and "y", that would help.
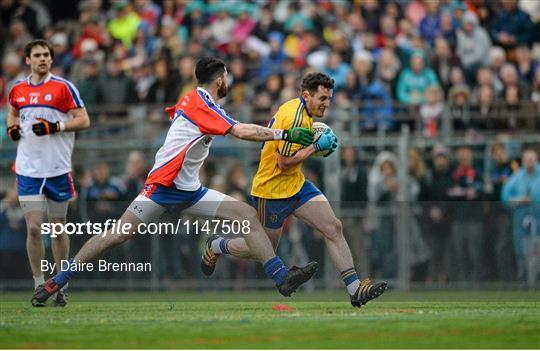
{"x": 254, "y": 132}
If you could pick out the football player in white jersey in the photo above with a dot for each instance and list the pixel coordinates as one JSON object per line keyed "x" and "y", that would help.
{"x": 173, "y": 183}
{"x": 44, "y": 113}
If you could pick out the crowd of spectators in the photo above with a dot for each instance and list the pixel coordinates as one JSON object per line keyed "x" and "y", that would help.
{"x": 475, "y": 60}
{"x": 472, "y": 215}
{"x": 475, "y": 56}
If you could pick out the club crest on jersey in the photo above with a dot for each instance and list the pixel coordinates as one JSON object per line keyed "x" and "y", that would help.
{"x": 48, "y": 97}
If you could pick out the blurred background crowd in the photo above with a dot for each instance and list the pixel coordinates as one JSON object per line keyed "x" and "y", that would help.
{"x": 461, "y": 76}
{"x": 477, "y": 56}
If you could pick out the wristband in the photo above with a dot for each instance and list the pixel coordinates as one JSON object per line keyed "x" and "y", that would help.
{"x": 61, "y": 126}
{"x": 278, "y": 134}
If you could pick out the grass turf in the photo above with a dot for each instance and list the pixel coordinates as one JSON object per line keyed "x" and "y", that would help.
{"x": 246, "y": 320}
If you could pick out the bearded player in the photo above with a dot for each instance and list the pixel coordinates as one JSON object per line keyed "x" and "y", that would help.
{"x": 44, "y": 114}
{"x": 173, "y": 183}
{"x": 280, "y": 189}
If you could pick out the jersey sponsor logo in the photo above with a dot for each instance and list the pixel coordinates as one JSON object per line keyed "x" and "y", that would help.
{"x": 20, "y": 99}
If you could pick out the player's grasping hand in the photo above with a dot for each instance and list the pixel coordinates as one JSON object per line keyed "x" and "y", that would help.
{"x": 14, "y": 132}
{"x": 302, "y": 136}
{"x": 327, "y": 141}
{"x": 45, "y": 127}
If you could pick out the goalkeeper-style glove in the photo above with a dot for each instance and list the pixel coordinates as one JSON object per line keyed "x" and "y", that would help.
{"x": 45, "y": 127}
{"x": 334, "y": 147}
{"x": 327, "y": 141}
{"x": 14, "y": 132}
{"x": 302, "y": 136}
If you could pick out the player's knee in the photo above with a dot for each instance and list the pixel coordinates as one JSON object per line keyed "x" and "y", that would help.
{"x": 247, "y": 212}
{"x": 57, "y": 227}
{"x": 333, "y": 230}
{"x": 34, "y": 230}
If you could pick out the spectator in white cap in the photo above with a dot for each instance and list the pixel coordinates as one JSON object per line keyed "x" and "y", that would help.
{"x": 62, "y": 55}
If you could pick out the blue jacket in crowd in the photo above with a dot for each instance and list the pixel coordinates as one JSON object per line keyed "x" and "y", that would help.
{"x": 377, "y": 107}
{"x": 409, "y": 81}
{"x": 517, "y": 23}
{"x": 519, "y": 185}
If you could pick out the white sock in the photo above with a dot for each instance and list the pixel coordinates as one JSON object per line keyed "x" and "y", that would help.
{"x": 352, "y": 287}
{"x": 350, "y": 279}
{"x": 38, "y": 281}
{"x": 215, "y": 245}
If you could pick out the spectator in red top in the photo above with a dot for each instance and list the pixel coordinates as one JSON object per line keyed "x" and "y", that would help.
{"x": 94, "y": 29}
{"x": 149, "y": 12}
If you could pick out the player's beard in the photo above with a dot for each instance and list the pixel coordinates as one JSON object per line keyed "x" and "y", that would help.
{"x": 222, "y": 91}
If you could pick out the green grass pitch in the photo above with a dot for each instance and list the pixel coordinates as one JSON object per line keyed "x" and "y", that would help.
{"x": 477, "y": 319}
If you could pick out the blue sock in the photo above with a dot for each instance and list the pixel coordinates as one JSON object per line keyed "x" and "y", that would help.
{"x": 275, "y": 269}
{"x": 66, "y": 273}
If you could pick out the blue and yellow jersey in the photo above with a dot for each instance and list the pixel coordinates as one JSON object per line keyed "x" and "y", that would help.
{"x": 271, "y": 182}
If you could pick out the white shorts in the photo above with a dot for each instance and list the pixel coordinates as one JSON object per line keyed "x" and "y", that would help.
{"x": 156, "y": 199}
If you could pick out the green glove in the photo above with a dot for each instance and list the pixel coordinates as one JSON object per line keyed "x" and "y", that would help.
{"x": 302, "y": 136}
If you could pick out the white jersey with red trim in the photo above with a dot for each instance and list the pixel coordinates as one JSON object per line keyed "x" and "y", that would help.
{"x": 48, "y": 155}
{"x": 196, "y": 119}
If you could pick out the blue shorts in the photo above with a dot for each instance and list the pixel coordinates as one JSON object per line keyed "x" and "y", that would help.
{"x": 172, "y": 198}
{"x": 59, "y": 188}
{"x": 274, "y": 212}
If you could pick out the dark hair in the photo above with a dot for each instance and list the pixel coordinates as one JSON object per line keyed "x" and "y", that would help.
{"x": 312, "y": 81}
{"x": 38, "y": 42}
{"x": 208, "y": 69}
